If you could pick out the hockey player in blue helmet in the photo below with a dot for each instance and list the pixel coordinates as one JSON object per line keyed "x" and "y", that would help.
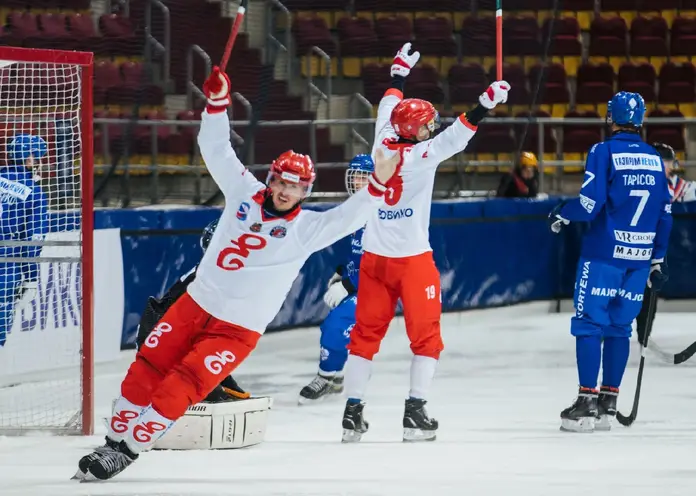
{"x": 23, "y": 217}
{"x": 626, "y": 200}
{"x": 341, "y": 298}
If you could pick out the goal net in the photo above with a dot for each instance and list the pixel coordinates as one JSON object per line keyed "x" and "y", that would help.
{"x": 45, "y": 241}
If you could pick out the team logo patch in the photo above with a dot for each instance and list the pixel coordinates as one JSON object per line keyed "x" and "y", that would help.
{"x": 243, "y": 211}
{"x": 255, "y": 227}
{"x": 279, "y": 232}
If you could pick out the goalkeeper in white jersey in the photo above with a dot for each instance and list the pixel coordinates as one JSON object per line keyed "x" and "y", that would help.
{"x": 23, "y": 217}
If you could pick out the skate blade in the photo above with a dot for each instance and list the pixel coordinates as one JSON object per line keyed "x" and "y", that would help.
{"x": 604, "y": 423}
{"x": 89, "y": 477}
{"x": 412, "y": 435}
{"x": 584, "y": 425}
{"x": 79, "y": 475}
{"x": 350, "y": 436}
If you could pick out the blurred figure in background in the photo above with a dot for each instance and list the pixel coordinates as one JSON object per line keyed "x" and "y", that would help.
{"x": 522, "y": 181}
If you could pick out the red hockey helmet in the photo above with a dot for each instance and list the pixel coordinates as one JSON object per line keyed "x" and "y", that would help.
{"x": 410, "y": 114}
{"x": 293, "y": 168}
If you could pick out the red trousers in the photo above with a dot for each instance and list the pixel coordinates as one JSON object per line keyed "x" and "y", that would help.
{"x": 186, "y": 355}
{"x": 382, "y": 282}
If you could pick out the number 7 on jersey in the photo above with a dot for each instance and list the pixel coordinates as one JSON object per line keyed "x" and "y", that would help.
{"x": 644, "y": 194}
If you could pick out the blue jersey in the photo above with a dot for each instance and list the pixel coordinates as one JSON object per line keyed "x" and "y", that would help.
{"x": 24, "y": 215}
{"x": 351, "y": 270}
{"x": 626, "y": 199}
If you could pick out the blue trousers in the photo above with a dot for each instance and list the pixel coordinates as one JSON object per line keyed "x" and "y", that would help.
{"x": 335, "y": 335}
{"x": 607, "y": 300}
{"x": 10, "y": 278}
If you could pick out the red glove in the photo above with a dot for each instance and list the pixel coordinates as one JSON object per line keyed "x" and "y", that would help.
{"x": 217, "y": 91}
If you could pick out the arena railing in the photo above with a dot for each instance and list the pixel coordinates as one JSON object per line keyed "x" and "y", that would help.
{"x": 460, "y": 163}
{"x": 153, "y": 46}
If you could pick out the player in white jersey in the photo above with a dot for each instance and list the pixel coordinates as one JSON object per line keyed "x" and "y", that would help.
{"x": 262, "y": 240}
{"x": 398, "y": 261}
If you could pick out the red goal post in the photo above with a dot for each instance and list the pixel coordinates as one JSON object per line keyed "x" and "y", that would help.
{"x": 46, "y": 241}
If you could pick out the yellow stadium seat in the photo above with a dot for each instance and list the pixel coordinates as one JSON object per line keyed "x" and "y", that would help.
{"x": 407, "y": 15}
{"x": 584, "y": 20}
{"x": 513, "y": 59}
{"x": 460, "y": 108}
{"x": 505, "y": 157}
{"x": 668, "y": 106}
{"x": 688, "y": 109}
{"x": 530, "y": 62}
{"x": 518, "y": 109}
{"x": 318, "y": 66}
{"x": 446, "y": 64}
{"x": 471, "y": 60}
{"x": 338, "y": 15}
{"x": 658, "y": 62}
{"x": 351, "y": 67}
{"x": 459, "y": 19}
{"x": 559, "y": 110}
{"x": 689, "y": 14}
{"x": 602, "y": 109}
{"x": 570, "y": 64}
{"x": 680, "y": 59}
{"x": 488, "y": 61}
{"x": 421, "y": 15}
{"x": 628, "y": 16}
{"x": 370, "y": 60}
{"x": 367, "y": 14}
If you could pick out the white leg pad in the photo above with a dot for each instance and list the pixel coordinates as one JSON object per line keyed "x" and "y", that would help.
{"x": 228, "y": 425}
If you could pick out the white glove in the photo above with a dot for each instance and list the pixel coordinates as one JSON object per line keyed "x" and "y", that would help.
{"x": 403, "y": 62}
{"x": 496, "y": 93}
{"x": 335, "y": 294}
{"x": 334, "y": 278}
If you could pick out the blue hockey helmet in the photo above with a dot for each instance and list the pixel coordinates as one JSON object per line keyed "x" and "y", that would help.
{"x": 23, "y": 146}
{"x": 359, "y": 169}
{"x": 626, "y": 109}
{"x": 208, "y": 234}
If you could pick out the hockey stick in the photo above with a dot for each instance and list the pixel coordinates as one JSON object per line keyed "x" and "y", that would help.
{"x": 499, "y": 40}
{"x": 233, "y": 34}
{"x": 627, "y": 421}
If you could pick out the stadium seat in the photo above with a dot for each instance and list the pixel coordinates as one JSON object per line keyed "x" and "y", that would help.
{"x": 312, "y": 31}
{"x": 515, "y": 75}
{"x": 531, "y": 139}
{"x": 376, "y": 81}
{"x": 478, "y": 36}
{"x": 521, "y": 36}
{"x": 487, "y": 140}
{"x": 357, "y": 40}
{"x": 433, "y": 36}
{"x": 677, "y": 83}
{"x": 106, "y": 74}
{"x": 580, "y": 138}
{"x": 22, "y": 25}
{"x": 618, "y": 5}
{"x": 392, "y": 32}
{"x": 556, "y": 83}
{"x": 81, "y": 25}
{"x": 133, "y": 73}
{"x": 578, "y": 5}
{"x": 608, "y": 36}
{"x": 638, "y": 78}
{"x": 595, "y": 83}
{"x": 466, "y": 83}
{"x": 315, "y": 4}
{"x": 683, "y": 36}
{"x": 566, "y": 39}
{"x": 671, "y": 134}
{"x": 119, "y": 36}
{"x": 423, "y": 82}
{"x": 649, "y": 37}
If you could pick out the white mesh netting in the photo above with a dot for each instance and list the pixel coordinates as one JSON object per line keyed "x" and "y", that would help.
{"x": 40, "y": 270}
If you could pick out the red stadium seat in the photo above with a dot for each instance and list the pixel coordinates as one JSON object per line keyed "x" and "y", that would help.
{"x": 433, "y": 36}
{"x": 566, "y": 39}
{"x": 22, "y": 25}
{"x": 683, "y": 36}
{"x": 478, "y": 35}
{"x": 312, "y": 31}
{"x": 617, "y": 5}
{"x": 424, "y": 83}
{"x": 578, "y": 5}
{"x": 466, "y": 83}
{"x": 556, "y": 84}
{"x": 595, "y": 83}
{"x": 376, "y": 81}
{"x": 580, "y": 138}
{"x": 515, "y": 75}
{"x": 106, "y": 74}
{"x": 531, "y": 140}
{"x": 671, "y": 134}
{"x": 608, "y": 36}
{"x": 649, "y": 37}
{"x": 81, "y": 26}
{"x": 677, "y": 83}
{"x": 392, "y": 32}
{"x": 521, "y": 36}
{"x": 638, "y": 79}
{"x": 356, "y": 37}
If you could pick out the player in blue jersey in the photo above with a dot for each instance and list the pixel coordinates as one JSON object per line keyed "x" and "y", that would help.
{"x": 341, "y": 298}
{"x": 23, "y": 217}
{"x": 626, "y": 200}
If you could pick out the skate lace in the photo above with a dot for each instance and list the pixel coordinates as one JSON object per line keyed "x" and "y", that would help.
{"x": 114, "y": 461}
{"x": 317, "y": 384}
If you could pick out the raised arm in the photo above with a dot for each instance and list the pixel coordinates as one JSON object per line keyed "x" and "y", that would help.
{"x": 222, "y": 162}
{"x": 321, "y": 229}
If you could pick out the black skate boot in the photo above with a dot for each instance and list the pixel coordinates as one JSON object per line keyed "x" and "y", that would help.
{"x": 606, "y": 408}
{"x": 581, "y": 415}
{"x": 86, "y": 460}
{"x": 354, "y": 423}
{"x": 112, "y": 462}
{"x": 417, "y": 425}
{"x": 321, "y": 387}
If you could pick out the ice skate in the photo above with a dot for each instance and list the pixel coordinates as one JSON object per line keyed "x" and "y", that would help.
{"x": 321, "y": 387}
{"x": 354, "y": 423}
{"x": 86, "y": 460}
{"x": 111, "y": 462}
{"x": 581, "y": 415}
{"x": 417, "y": 425}
{"x": 606, "y": 408}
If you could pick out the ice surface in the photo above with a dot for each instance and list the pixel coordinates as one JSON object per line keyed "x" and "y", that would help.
{"x": 503, "y": 379}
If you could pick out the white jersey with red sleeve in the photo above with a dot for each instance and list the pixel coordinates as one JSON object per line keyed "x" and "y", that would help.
{"x": 681, "y": 189}
{"x": 400, "y": 227}
{"x": 253, "y": 258}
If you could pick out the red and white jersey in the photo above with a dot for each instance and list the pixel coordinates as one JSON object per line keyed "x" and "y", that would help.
{"x": 400, "y": 228}
{"x": 253, "y": 259}
{"x": 681, "y": 189}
